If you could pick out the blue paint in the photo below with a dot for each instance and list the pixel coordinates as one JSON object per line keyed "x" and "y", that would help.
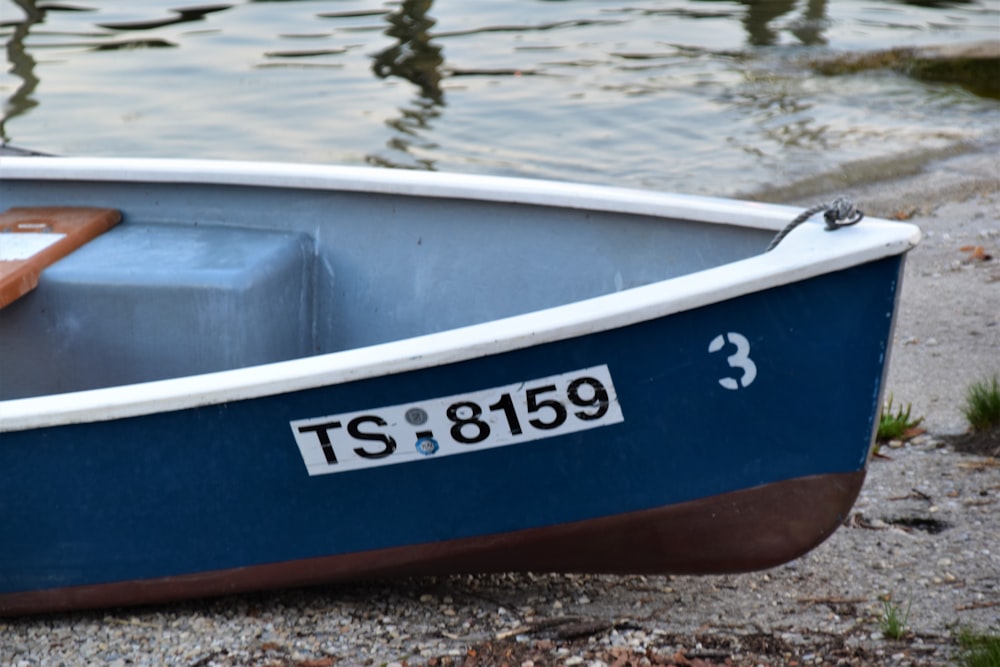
{"x": 224, "y": 486}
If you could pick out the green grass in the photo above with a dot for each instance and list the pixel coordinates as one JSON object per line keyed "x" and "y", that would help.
{"x": 982, "y": 404}
{"x": 894, "y": 623}
{"x": 979, "y": 650}
{"x": 894, "y": 426}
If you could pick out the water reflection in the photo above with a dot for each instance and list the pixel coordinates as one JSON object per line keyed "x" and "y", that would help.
{"x": 376, "y": 79}
{"x": 415, "y": 58}
{"x": 22, "y": 66}
{"x": 760, "y": 14}
{"x": 183, "y": 15}
{"x": 22, "y": 63}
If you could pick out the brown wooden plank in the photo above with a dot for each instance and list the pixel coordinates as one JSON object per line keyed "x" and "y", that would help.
{"x": 32, "y": 238}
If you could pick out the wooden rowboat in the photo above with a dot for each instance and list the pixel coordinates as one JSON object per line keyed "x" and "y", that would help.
{"x": 272, "y": 375}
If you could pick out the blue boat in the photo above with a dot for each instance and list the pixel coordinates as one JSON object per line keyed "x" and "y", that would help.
{"x": 276, "y": 375}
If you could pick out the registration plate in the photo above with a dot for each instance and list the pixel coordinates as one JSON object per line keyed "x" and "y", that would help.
{"x": 459, "y": 424}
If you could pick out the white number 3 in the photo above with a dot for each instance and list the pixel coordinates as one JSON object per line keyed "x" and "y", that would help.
{"x": 740, "y": 360}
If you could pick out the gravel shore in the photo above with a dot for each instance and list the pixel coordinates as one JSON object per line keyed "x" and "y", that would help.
{"x": 924, "y": 535}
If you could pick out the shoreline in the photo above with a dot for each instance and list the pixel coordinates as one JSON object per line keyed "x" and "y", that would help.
{"x": 923, "y": 533}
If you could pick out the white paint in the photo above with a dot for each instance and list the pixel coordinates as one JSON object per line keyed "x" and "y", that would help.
{"x": 17, "y": 246}
{"x": 739, "y": 360}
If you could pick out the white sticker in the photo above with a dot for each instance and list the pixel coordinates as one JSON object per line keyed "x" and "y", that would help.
{"x": 459, "y": 424}
{"x": 16, "y": 246}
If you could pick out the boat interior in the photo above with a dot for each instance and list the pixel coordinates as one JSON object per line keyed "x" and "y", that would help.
{"x": 199, "y": 278}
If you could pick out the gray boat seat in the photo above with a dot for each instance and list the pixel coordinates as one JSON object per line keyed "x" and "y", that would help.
{"x": 147, "y": 302}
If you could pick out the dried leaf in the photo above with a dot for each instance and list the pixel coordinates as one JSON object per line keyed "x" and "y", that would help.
{"x": 700, "y": 662}
{"x": 978, "y": 466}
{"x": 621, "y": 655}
{"x": 976, "y": 252}
{"x": 317, "y": 662}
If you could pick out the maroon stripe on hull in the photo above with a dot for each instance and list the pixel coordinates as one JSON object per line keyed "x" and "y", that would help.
{"x": 741, "y": 531}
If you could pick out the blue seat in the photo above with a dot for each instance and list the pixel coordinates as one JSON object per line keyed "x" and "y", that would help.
{"x": 146, "y": 302}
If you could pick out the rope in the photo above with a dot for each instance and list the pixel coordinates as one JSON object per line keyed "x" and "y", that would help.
{"x": 841, "y": 212}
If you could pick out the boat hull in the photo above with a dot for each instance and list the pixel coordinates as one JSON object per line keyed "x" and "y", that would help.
{"x": 742, "y": 432}
{"x": 732, "y": 532}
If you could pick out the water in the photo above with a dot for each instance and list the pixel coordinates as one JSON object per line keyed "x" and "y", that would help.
{"x": 695, "y": 96}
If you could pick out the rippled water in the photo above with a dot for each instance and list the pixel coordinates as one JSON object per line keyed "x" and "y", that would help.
{"x": 688, "y": 95}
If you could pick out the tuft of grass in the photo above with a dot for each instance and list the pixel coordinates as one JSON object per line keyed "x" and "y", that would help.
{"x": 979, "y": 650}
{"x": 895, "y": 426}
{"x": 894, "y": 623}
{"x": 982, "y": 404}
